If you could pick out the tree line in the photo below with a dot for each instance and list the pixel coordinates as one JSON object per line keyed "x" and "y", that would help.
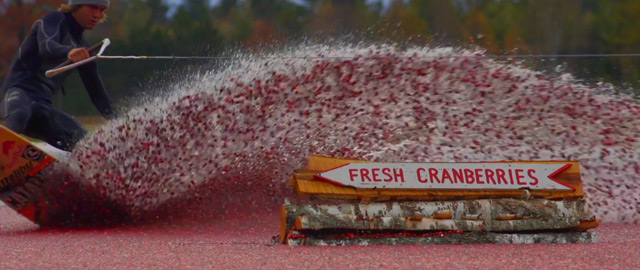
{"x": 196, "y": 28}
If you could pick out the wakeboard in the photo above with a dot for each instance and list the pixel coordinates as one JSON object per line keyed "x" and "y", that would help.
{"x": 35, "y": 183}
{"x": 21, "y": 182}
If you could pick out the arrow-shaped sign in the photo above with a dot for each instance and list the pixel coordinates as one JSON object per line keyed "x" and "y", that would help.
{"x": 500, "y": 176}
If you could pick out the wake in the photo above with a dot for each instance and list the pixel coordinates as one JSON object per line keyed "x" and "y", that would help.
{"x": 231, "y": 137}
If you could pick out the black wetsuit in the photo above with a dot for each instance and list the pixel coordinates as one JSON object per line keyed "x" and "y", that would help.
{"x": 27, "y": 93}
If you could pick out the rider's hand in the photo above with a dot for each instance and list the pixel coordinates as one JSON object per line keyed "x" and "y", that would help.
{"x": 78, "y": 54}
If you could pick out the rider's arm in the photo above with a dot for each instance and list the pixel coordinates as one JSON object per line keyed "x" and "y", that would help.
{"x": 95, "y": 89}
{"x": 49, "y": 36}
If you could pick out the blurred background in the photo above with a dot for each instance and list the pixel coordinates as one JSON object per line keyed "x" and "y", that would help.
{"x": 217, "y": 27}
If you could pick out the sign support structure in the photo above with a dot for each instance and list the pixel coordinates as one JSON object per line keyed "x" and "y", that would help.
{"x": 364, "y": 203}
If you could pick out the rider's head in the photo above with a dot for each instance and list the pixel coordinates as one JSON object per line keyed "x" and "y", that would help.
{"x": 88, "y": 13}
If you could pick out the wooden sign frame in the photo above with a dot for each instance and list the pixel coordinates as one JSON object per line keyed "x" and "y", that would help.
{"x": 306, "y": 184}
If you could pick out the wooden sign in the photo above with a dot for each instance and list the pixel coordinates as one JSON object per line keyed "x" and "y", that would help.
{"x": 461, "y": 176}
{"x": 411, "y": 203}
{"x": 332, "y": 178}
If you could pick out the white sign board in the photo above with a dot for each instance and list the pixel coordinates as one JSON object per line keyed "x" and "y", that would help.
{"x": 465, "y": 176}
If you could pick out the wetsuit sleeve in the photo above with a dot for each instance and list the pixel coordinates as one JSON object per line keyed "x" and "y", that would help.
{"x": 49, "y": 36}
{"x": 95, "y": 88}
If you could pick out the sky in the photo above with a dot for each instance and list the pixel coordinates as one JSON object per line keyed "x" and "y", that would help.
{"x": 215, "y": 2}
{"x": 174, "y": 3}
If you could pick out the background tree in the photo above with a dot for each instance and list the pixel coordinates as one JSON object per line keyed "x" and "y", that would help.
{"x": 16, "y": 18}
{"x": 405, "y": 23}
{"x": 195, "y": 28}
{"x": 617, "y": 29}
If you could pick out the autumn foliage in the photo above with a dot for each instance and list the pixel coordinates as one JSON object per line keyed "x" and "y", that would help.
{"x": 196, "y": 28}
{"x": 16, "y": 18}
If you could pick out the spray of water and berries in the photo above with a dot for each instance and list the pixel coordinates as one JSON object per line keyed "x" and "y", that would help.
{"x": 230, "y": 138}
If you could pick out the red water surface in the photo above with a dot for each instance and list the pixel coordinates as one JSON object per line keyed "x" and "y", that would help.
{"x": 246, "y": 243}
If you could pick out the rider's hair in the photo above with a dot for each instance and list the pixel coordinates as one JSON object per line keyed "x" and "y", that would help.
{"x": 67, "y": 8}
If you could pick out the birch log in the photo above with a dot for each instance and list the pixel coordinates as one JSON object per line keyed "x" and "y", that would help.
{"x": 468, "y": 215}
{"x": 467, "y": 238}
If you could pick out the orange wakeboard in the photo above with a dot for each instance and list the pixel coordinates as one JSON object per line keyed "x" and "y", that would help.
{"x": 50, "y": 197}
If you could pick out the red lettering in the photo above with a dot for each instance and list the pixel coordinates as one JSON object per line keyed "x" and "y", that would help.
{"x": 479, "y": 175}
{"x": 500, "y": 174}
{"x": 469, "y": 175}
{"x": 433, "y": 173}
{"x": 399, "y": 174}
{"x": 446, "y": 175}
{"x": 365, "y": 174}
{"x": 531, "y": 172}
{"x": 420, "y": 177}
{"x": 375, "y": 175}
{"x": 353, "y": 173}
{"x": 490, "y": 174}
{"x": 520, "y": 176}
{"x": 511, "y": 176}
{"x": 458, "y": 176}
{"x": 15, "y": 202}
{"x": 387, "y": 172}
{"x": 6, "y": 146}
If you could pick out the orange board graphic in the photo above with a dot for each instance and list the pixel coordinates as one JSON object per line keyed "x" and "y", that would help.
{"x": 20, "y": 165}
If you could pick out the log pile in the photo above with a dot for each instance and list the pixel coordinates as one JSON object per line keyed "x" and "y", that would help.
{"x": 363, "y": 217}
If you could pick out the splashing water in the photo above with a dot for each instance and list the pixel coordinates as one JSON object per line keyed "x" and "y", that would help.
{"x": 236, "y": 135}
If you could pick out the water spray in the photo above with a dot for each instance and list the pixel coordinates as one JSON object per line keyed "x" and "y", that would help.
{"x": 243, "y": 130}
{"x": 68, "y": 65}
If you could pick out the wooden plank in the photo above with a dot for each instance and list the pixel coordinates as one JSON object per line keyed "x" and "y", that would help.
{"x": 321, "y": 163}
{"x": 468, "y": 215}
{"x": 586, "y": 225}
{"x": 284, "y": 229}
{"x": 466, "y": 238}
{"x": 319, "y": 222}
{"x": 306, "y": 185}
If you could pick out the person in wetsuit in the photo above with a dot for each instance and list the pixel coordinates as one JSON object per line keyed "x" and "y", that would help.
{"x": 27, "y": 93}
